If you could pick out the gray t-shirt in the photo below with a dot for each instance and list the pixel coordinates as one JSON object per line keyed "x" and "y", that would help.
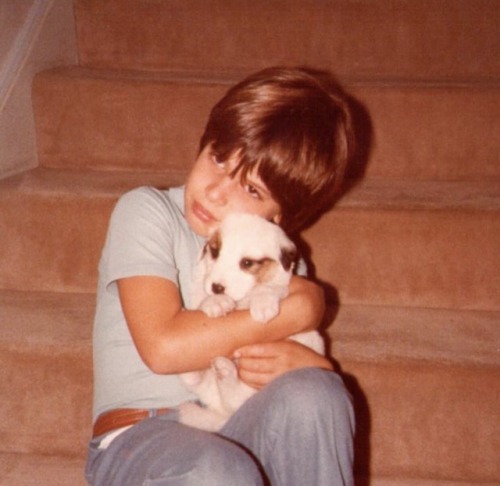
{"x": 148, "y": 235}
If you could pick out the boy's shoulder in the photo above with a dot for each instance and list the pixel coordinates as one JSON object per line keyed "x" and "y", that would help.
{"x": 152, "y": 198}
{"x": 149, "y": 205}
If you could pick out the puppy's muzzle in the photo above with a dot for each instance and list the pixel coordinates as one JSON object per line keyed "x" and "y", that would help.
{"x": 218, "y": 288}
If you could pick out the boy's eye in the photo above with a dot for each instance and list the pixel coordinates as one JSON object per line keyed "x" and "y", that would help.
{"x": 252, "y": 191}
{"x": 218, "y": 162}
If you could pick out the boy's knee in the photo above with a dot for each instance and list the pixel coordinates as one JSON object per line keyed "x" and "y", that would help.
{"x": 312, "y": 392}
{"x": 224, "y": 464}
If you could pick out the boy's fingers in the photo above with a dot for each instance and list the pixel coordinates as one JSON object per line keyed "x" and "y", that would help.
{"x": 256, "y": 373}
{"x": 256, "y": 365}
{"x": 264, "y": 350}
{"x": 254, "y": 350}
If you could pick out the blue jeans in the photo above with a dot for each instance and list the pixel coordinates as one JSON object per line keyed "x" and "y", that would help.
{"x": 297, "y": 430}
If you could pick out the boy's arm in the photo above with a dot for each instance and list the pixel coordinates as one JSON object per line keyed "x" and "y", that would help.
{"x": 172, "y": 340}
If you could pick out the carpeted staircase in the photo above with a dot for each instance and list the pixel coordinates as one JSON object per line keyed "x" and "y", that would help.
{"x": 411, "y": 252}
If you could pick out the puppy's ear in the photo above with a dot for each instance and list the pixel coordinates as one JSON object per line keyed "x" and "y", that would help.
{"x": 213, "y": 245}
{"x": 288, "y": 256}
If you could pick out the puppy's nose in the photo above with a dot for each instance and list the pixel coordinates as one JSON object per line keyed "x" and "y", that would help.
{"x": 218, "y": 288}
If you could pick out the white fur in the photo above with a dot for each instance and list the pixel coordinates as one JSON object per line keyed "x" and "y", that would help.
{"x": 239, "y": 237}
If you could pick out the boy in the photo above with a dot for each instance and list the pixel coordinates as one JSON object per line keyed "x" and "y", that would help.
{"x": 276, "y": 145}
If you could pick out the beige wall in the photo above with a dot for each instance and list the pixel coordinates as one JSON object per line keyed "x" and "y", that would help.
{"x": 34, "y": 35}
{"x": 12, "y": 16}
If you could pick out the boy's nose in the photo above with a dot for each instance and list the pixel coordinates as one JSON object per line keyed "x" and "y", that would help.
{"x": 218, "y": 191}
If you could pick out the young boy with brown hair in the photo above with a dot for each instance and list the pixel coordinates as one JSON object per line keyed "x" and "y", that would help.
{"x": 276, "y": 145}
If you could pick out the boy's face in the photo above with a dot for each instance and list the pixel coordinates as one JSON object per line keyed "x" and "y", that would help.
{"x": 211, "y": 193}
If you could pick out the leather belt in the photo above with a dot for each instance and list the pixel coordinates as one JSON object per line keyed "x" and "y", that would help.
{"x": 123, "y": 417}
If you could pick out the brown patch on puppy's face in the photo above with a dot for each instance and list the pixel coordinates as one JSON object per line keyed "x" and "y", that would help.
{"x": 213, "y": 245}
{"x": 262, "y": 269}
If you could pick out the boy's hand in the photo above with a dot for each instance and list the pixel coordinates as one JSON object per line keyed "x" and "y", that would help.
{"x": 259, "y": 364}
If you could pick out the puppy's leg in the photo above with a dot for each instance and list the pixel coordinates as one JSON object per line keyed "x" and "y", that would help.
{"x": 192, "y": 379}
{"x": 264, "y": 302}
{"x": 232, "y": 391}
{"x": 195, "y": 415}
{"x": 225, "y": 371}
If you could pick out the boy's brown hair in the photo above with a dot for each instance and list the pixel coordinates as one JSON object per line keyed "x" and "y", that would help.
{"x": 294, "y": 126}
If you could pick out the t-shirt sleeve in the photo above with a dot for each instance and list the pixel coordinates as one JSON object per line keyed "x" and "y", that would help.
{"x": 140, "y": 237}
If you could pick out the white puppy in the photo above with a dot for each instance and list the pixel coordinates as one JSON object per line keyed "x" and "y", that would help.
{"x": 246, "y": 263}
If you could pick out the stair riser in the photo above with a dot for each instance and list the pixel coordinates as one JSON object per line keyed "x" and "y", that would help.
{"x": 415, "y": 258}
{"x": 29, "y": 469}
{"x": 50, "y": 410}
{"x": 102, "y": 124}
{"x": 433, "y": 133}
{"x": 425, "y": 39}
{"x": 426, "y": 421}
{"x": 409, "y": 258}
{"x": 52, "y": 243}
{"x": 420, "y": 133}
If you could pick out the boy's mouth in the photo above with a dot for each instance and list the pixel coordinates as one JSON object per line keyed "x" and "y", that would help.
{"x": 202, "y": 213}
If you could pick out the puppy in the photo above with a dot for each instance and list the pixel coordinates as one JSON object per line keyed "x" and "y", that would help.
{"x": 246, "y": 263}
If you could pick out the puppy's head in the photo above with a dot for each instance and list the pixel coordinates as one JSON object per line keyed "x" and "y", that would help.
{"x": 246, "y": 251}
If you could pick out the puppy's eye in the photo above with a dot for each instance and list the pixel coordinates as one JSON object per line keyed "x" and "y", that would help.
{"x": 246, "y": 263}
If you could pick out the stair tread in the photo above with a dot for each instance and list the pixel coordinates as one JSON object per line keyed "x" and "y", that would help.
{"x": 85, "y": 183}
{"x": 230, "y": 76}
{"x": 358, "y": 333}
{"x": 371, "y": 193}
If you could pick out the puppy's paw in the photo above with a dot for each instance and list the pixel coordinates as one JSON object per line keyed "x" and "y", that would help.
{"x": 224, "y": 368}
{"x": 264, "y": 307}
{"x": 197, "y": 416}
{"x": 192, "y": 378}
{"x": 217, "y": 305}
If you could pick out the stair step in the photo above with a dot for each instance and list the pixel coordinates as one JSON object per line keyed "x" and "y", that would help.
{"x": 88, "y": 119}
{"x": 411, "y": 384}
{"x": 417, "y": 244}
{"x": 429, "y": 38}
{"x": 426, "y": 421}
{"x": 40, "y": 470}
{"x": 422, "y": 380}
{"x": 54, "y": 224}
{"x": 424, "y": 244}
{"x": 46, "y": 372}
